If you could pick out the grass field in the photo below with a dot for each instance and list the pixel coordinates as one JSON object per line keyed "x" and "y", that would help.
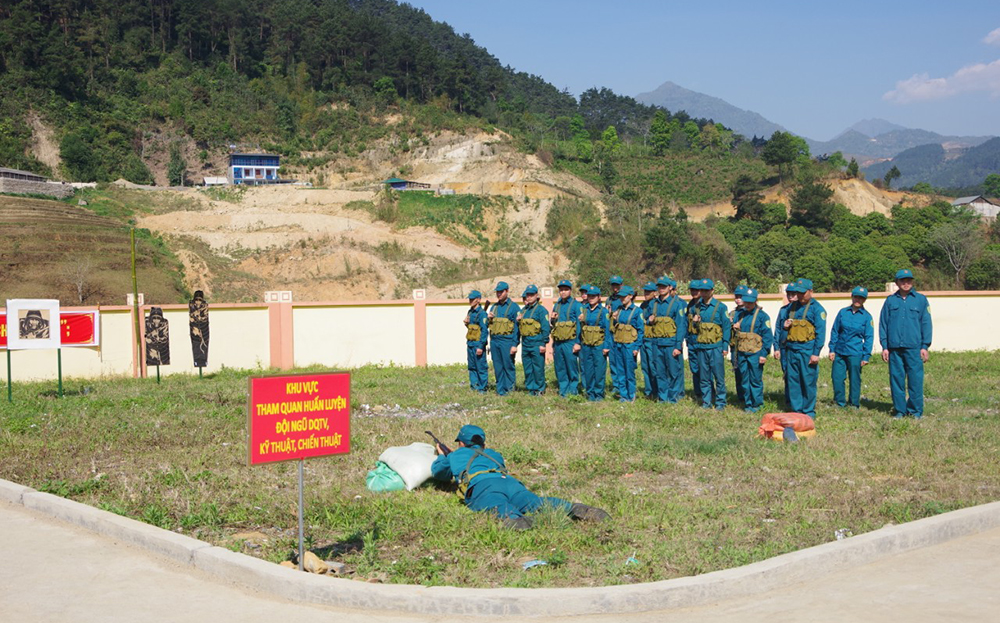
{"x": 690, "y": 490}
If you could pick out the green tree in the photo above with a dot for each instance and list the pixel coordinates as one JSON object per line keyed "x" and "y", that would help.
{"x": 783, "y": 150}
{"x": 747, "y": 199}
{"x": 385, "y": 91}
{"x": 891, "y": 174}
{"x": 836, "y": 159}
{"x": 812, "y": 208}
{"x": 991, "y": 185}
{"x": 853, "y": 169}
{"x": 984, "y": 273}
{"x": 961, "y": 242}
{"x": 660, "y": 132}
{"x": 177, "y": 167}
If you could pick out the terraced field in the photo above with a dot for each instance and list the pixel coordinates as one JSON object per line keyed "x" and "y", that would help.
{"x": 51, "y": 249}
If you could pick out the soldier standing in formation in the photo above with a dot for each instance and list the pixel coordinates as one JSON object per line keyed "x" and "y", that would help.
{"x": 666, "y": 330}
{"x": 628, "y": 328}
{"x": 692, "y": 337}
{"x": 646, "y": 358}
{"x": 850, "y": 348}
{"x": 566, "y": 340}
{"x": 752, "y": 343}
{"x": 734, "y": 317}
{"x": 904, "y": 332}
{"x": 502, "y": 320}
{"x": 595, "y": 333}
{"x": 476, "y": 336}
{"x": 803, "y": 325}
{"x": 711, "y": 346}
{"x": 533, "y": 327}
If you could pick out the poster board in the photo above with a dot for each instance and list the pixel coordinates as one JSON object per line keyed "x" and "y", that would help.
{"x": 75, "y": 329}
{"x": 32, "y": 324}
{"x": 298, "y": 417}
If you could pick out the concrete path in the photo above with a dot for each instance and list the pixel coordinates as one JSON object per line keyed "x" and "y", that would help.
{"x": 52, "y": 571}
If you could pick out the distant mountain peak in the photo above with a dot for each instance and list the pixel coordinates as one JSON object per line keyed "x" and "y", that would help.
{"x": 873, "y": 127}
{"x": 675, "y": 98}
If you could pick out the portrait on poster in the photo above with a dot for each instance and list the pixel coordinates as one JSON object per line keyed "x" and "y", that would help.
{"x": 30, "y": 324}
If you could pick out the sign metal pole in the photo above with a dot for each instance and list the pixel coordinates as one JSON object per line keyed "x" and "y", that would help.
{"x": 10, "y": 396}
{"x": 157, "y": 374}
{"x": 59, "y": 365}
{"x": 301, "y": 522}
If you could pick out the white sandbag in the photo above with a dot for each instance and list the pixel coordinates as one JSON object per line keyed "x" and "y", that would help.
{"x": 412, "y": 462}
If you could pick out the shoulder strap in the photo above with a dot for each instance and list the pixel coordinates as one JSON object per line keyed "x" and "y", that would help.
{"x": 715, "y": 311}
{"x": 753, "y": 320}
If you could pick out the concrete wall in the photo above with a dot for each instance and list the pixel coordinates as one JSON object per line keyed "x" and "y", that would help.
{"x": 24, "y": 187}
{"x": 412, "y": 332}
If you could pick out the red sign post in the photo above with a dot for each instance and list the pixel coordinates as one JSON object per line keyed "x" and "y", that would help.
{"x": 298, "y": 417}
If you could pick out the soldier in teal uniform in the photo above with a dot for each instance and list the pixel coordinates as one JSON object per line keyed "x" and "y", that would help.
{"x": 582, "y": 298}
{"x": 805, "y": 335}
{"x": 666, "y": 330}
{"x": 614, "y": 303}
{"x": 566, "y": 340}
{"x": 502, "y": 321}
{"x": 691, "y": 312}
{"x": 851, "y": 342}
{"x": 780, "y": 337}
{"x": 476, "y": 336}
{"x": 533, "y": 327}
{"x": 486, "y": 485}
{"x": 648, "y": 348}
{"x": 595, "y": 333}
{"x": 628, "y": 329}
{"x": 752, "y": 343}
{"x": 734, "y": 318}
{"x": 712, "y": 345}
{"x": 904, "y": 332}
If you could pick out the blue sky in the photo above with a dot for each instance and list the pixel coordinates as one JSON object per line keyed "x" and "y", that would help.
{"x": 814, "y": 68}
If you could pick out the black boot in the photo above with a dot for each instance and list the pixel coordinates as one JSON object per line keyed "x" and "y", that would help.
{"x": 517, "y": 523}
{"x": 789, "y": 435}
{"x": 587, "y": 513}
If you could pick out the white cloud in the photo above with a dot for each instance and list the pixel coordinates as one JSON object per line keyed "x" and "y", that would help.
{"x": 970, "y": 79}
{"x": 993, "y": 38}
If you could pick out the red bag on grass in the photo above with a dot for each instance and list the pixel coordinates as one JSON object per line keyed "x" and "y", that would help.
{"x": 773, "y": 423}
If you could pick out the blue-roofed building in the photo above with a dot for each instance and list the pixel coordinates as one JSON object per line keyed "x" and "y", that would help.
{"x": 253, "y": 169}
{"x": 397, "y": 184}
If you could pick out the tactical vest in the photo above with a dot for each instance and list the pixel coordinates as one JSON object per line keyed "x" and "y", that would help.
{"x": 564, "y": 329}
{"x": 710, "y": 332}
{"x": 529, "y": 326}
{"x": 664, "y": 326}
{"x": 693, "y": 319}
{"x": 474, "y": 332}
{"x": 625, "y": 333}
{"x": 802, "y": 330}
{"x": 465, "y": 478}
{"x": 501, "y": 325}
{"x": 748, "y": 341}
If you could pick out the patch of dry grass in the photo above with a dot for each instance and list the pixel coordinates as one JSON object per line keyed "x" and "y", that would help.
{"x": 690, "y": 491}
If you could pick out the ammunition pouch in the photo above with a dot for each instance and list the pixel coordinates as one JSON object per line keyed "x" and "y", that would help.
{"x": 693, "y": 323}
{"x": 474, "y": 333}
{"x": 709, "y": 333}
{"x": 530, "y": 327}
{"x": 625, "y": 333}
{"x": 502, "y": 326}
{"x": 663, "y": 327}
{"x": 593, "y": 335}
{"x": 564, "y": 330}
{"x": 748, "y": 342}
{"x": 801, "y": 331}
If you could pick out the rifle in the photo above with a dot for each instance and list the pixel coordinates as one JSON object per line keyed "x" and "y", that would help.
{"x": 438, "y": 442}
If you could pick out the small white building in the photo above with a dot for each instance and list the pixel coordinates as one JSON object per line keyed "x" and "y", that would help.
{"x": 987, "y": 208}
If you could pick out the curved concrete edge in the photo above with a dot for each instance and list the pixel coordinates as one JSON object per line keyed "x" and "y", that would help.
{"x": 767, "y": 575}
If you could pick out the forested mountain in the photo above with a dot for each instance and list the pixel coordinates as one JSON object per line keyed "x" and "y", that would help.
{"x": 675, "y": 97}
{"x": 930, "y": 164}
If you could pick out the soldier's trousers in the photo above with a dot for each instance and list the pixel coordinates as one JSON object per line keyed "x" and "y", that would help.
{"x": 479, "y": 375}
{"x": 695, "y": 374}
{"x": 624, "y": 361}
{"x": 846, "y": 367}
{"x": 712, "y": 370}
{"x": 503, "y": 364}
{"x": 669, "y": 373}
{"x": 737, "y": 375}
{"x": 801, "y": 378}
{"x": 507, "y": 497}
{"x": 906, "y": 369}
{"x": 649, "y": 380}
{"x": 534, "y": 368}
{"x": 595, "y": 371}
{"x": 752, "y": 379}
{"x": 567, "y": 364}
